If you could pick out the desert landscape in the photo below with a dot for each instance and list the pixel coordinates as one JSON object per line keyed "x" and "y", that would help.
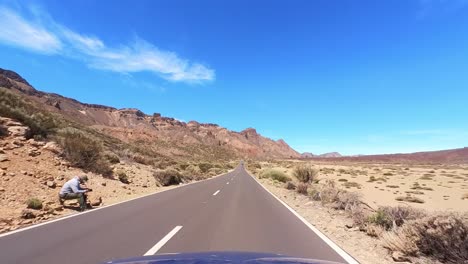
{"x": 405, "y": 207}
{"x": 370, "y": 204}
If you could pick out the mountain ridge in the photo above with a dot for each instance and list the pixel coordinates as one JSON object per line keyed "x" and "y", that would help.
{"x": 131, "y": 124}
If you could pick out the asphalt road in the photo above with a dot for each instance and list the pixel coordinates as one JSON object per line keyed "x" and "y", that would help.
{"x": 227, "y": 213}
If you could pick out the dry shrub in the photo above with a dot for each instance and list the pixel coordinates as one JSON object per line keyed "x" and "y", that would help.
{"x": 443, "y": 237}
{"x": 34, "y": 203}
{"x": 168, "y": 177}
{"x": 112, "y": 157}
{"x": 305, "y": 173}
{"x": 123, "y": 178}
{"x": 348, "y": 201}
{"x": 142, "y": 159}
{"x": 290, "y": 185}
{"x": 83, "y": 151}
{"x": 275, "y": 175}
{"x": 302, "y": 188}
{"x": 409, "y": 199}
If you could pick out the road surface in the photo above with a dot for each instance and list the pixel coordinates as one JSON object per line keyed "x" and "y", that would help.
{"x": 231, "y": 212}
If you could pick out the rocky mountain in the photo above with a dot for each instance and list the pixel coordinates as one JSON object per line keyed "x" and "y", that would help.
{"x": 330, "y": 155}
{"x": 167, "y": 135}
{"x": 441, "y": 156}
{"x": 307, "y": 155}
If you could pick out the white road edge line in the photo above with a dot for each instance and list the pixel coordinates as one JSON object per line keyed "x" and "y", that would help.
{"x": 103, "y": 207}
{"x": 348, "y": 258}
{"x": 214, "y": 194}
{"x": 163, "y": 241}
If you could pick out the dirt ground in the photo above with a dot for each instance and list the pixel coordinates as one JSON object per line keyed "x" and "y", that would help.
{"x": 442, "y": 187}
{"x": 333, "y": 224}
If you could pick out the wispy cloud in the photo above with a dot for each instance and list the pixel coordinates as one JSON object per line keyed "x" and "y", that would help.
{"x": 36, "y": 31}
{"x": 16, "y": 31}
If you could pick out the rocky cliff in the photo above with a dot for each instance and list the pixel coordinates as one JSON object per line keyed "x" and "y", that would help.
{"x": 172, "y": 137}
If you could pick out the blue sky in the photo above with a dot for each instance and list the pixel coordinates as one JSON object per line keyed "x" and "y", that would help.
{"x": 358, "y": 77}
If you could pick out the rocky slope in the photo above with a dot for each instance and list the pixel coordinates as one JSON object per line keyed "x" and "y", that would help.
{"x": 171, "y": 137}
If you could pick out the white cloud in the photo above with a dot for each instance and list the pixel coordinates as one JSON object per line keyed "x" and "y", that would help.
{"x": 42, "y": 34}
{"x": 17, "y": 31}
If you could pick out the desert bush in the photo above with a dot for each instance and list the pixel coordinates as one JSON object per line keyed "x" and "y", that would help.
{"x": 374, "y": 179}
{"x": 465, "y": 196}
{"x": 352, "y": 184}
{"x": 328, "y": 193}
{"x": 12, "y": 106}
{"x": 305, "y": 173}
{"x": 34, "y": 203}
{"x": 168, "y": 177}
{"x": 83, "y": 151}
{"x": 183, "y": 166}
{"x": 122, "y": 176}
{"x": 388, "y": 174}
{"x": 416, "y": 186}
{"x": 443, "y": 237}
{"x": 409, "y": 199}
{"x": 204, "y": 167}
{"x": 347, "y": 201}
{"x": 302, "y": 188}
{"x": 290, "y": 185}
{"x": 275, "y": 175}
{"x": 138, "y": 158}
{"x": 112, "y": 157}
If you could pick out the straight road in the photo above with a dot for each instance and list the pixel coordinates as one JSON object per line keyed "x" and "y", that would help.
{"x": 231, "y": 212}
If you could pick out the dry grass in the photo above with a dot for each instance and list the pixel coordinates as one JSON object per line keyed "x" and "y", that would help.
{"x": 352, "y": 185}
{"x": 374, "y": 179}
{"x": 443, "y": 237}
{"x": 83, "y": 151}
{"x": 409, "y": 199}
{"x": 290, "y": 185}
{"x": 275, "y": 175}
{"x": 427, "y": 177}
{"x": 305, "y": 173}
{"x": 416, "y": 186}
{"x": 302, "y": 188}
{"x": 168, "y": 177}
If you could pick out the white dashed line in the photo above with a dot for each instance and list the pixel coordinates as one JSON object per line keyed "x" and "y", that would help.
{"x": 227, "y": 182}
{"x": 163, "y": 241}
{"x": 216, "y": 193}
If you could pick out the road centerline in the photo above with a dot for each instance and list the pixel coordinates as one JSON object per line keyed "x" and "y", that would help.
{"x": 163, "y": 241}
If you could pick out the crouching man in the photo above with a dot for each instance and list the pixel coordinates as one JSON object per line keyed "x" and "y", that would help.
{"x": 72, "y": 189}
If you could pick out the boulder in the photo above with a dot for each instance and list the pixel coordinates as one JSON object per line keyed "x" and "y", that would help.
{"x": 52, "y": 147}
{"x": 34, "y": 153}
{"x": 51, "y": 184}
{"x": 28, "y": 214}
{"x": 3, "y": 157}
{"x": 96, "y": 202}
{"x": 18, "y": 131}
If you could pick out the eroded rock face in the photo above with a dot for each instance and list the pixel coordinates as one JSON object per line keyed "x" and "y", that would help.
{"x": 131, "y": 124}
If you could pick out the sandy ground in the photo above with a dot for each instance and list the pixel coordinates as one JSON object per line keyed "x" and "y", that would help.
{"x": 333, "y": 224}
{"x": 440, "y": 187}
